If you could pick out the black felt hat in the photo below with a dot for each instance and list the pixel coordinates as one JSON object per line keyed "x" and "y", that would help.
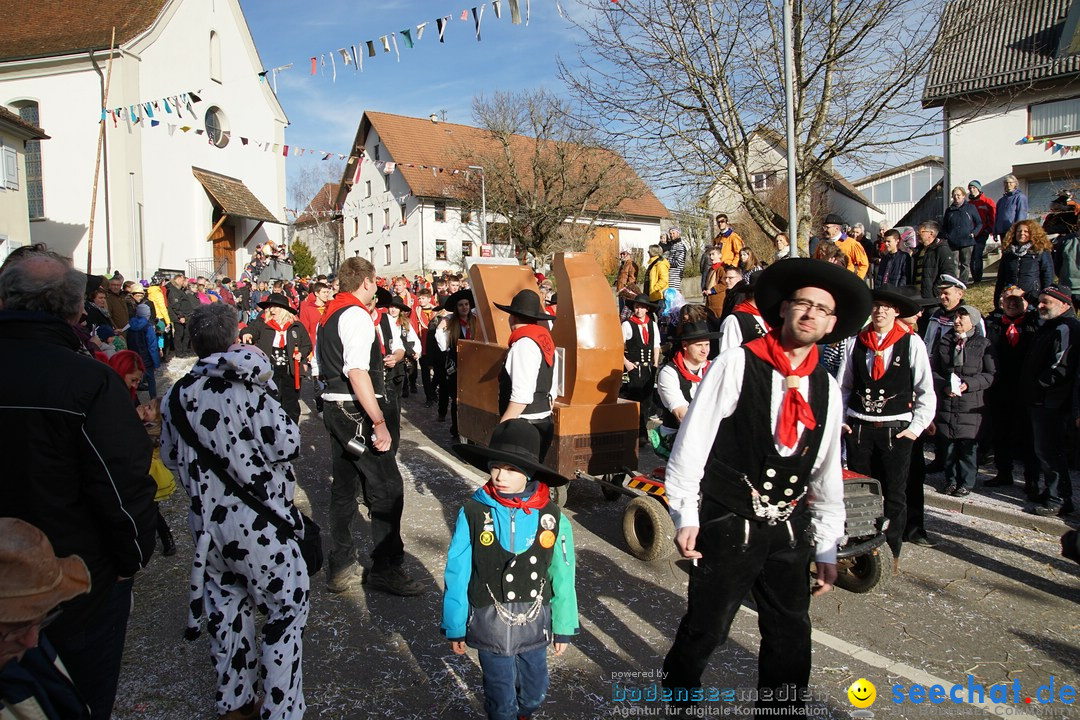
{"x": 915, "y": 295}
{"x": 514, "y": 442}
{"x": 905, "y": 305}
{"x": 851, "y": 297}
{"x": 643, "y": 299}
{"x": 451, "y": 302}
{"x": 526, "y": 304}
{"x": 696, "y": 331}
{"x": 277, "y": 300}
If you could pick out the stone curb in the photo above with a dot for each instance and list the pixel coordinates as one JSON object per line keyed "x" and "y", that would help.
{"x": 1049, "y": 525}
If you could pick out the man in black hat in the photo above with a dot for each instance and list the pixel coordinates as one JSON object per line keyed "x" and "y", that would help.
{"x": 1047, "y": 385}
{"x": 350, "y": 363}
{"x": 457, "y": 323}
{"x": 287, "y": 343}
{"x": 641, "y": 355}
{"x": 888, "y": 392}
{"x": 761, "y": 445}
{"x": 833, "y": 228}
{"x": 526, "y": 379}
{"x": 677, "y": 382}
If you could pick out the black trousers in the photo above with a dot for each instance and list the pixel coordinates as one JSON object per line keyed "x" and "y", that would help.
{"x": 739, "y": 557}
{"x": 288, "y": 395}
{"x": 878, "y": 453}
{"x": 640, "y": 390}
{"x": 181, "y": 338}
{"x": 426, "y": 378}
{"x": 916, "y": 501}
{"x": 374, "y": 478}
{"x": 1011, "y": 432}
{"x": 1048, "y": 428}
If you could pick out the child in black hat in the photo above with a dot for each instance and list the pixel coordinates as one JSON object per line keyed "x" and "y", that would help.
{"x": 510, "y": 572}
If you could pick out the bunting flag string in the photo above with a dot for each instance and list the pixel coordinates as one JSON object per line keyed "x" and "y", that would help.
{"x": 1049, "y": 144}
{"x": 145, "y": 109}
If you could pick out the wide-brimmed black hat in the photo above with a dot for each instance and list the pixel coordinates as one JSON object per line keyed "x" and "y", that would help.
{"x": 451, "y": 302}
{"x": 383, "y": 297}
{"x": 696, "y": 332}
{"x": 851, "y": 297}
{"x": 905, "y": 305}
{"x": 914, "y": 294}
{"x": 643, "y": 299}
{"x": 277, "y": 300}
{"x": 526, "y": 304}
{"x": 514, "y": 442}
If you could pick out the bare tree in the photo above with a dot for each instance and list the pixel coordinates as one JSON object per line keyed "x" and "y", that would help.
{"x": 309, "y": 190}
{"x": 681, "y": 86}
{"x": 546, "y": 177}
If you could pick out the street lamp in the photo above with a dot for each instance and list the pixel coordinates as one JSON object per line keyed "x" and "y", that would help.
{"x": 789, "y": 113}
{"x": 483, "y": 203}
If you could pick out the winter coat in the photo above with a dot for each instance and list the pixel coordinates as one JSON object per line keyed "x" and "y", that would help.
{"x": 296, "y": 338}
{"x": 628, "y": 273}
{"x": 1031, "y": 270}
{"x": 893, "y": 270}
{"x": 960, "y": 418}
{"x": 1067, "y": 261}
{"x": 515, "y": 530}
{"x": 78, "y": 460}
{"x": 656, "y": 279}
{"x": 936, "y": 260}
{"x": 142, "y": 338}
{"x": 961, "y": 225}
{"x": 156, "y": 296}
{"x": 181, "y": 302}
{"x": 987, "y": 211}
{"x": 1012, "y": 207}
{"x": 1050, "y": 368}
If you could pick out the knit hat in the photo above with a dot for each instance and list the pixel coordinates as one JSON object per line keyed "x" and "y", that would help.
{"x": 104, "y": 332}
{"x": 975, "y": 184}
{"x": 143, "y": 311}
{"x": 972, "y": 312}
{"x": 32, "y": 579}
{"x": 1058, "y": 292}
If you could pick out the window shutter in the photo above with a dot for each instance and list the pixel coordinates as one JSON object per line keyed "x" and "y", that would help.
{"x": 11, "y": 168}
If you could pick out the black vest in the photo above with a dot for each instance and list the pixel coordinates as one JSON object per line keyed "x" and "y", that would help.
{"x": 894, "y": 393}
{"x": 541, "y": 402}
{"x": 500, "y": 573}
{"x": 745, "y": 474}
{"x": 385, "y": 330}
{"x": 332, "y": 358}
{"x": 666, "y": 416}
{"x": 751, "y": 328}
{"x": 637, "y": 351}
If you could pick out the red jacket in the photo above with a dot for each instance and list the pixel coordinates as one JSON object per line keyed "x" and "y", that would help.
{"x": 310, "y": 314}
{"x": 987, "y": 211}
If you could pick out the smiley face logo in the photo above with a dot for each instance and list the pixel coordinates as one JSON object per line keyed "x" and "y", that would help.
{"x": 862, "y": 693}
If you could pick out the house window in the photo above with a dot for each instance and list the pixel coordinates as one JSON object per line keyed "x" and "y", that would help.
{"x": 405, "y": 252}
{"x": 440, "y": 211}
{"x": 370, "y": 223}
{"x": 9, "y": 167}
{"x": 371, "y": 254}
{"x": 387, "y": 254}
{"x": 386, "y": 218}
{"x": 404, "y": 215}
{"x": 921, "y": 181}
{"x": 215, "y": 57}
{"x": 386, "y": 182}
{"x": 217, "y": 127}
{"x": 883, "y": 192}
{"x": 367, "y": 189}
{"x": 35, "y": 196}
{"x": 762, "y": 181}
{"x": 466, "y": 248}
{"x": 466, "y": 217}
{"x": 440, "y": 249}
{"x": 376, "y": 152}
{"x": 355, "y": 226}
{"x": 901, "y": 189}
{"x": 1054, "y": 118}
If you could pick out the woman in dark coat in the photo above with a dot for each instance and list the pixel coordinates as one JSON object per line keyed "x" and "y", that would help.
{"x": 959, "y": 227}
{"x": 964, "y": 367}
{"x": 287, "y": 343}
{"x": 1026, "y": 259}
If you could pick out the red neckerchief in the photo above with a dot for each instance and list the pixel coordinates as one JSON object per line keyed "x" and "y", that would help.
{"x": 341, "y": 300}
{"x": 748, "y": 307}
{"x": 550, "y": 310}
{"x": 644, "y": 325}
{"x": 869, "y": 338}
{"x": 794, "y": 408}
{"x": 464, "y": 329}
{"x": 538, "y": 500}
{"x": 1012, "y": 333}
{"x": 376, "y": 319}
{"x": 680, "y": 365}
{"x": 717, "y": 266}
{"x": 279, "y": 336}
{"x": 540, "y": 336}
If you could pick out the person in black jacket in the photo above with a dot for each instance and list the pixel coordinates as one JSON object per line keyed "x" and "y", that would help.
{"x": 894, "y": 265}
{"x": 1047, "y": 385}
{"x": 80, "y": 471}
{"x": 181, "y": 303}
{"x": 931, "y": 260}
{"x": 960, "y": 225}
{"x": 287, "y": 343}
{"x": 1026, "y": 259}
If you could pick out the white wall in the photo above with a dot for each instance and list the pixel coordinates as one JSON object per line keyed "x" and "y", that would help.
{"x": 146, "y": 165}
{"x": 894, "y": 210}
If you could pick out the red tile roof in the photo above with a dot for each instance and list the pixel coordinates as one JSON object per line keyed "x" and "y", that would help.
{"x": 21, "y": 126}
{"x": 418, "y": 141}
{"x": 41, "y": 28}
{"x": 323, "y": 202}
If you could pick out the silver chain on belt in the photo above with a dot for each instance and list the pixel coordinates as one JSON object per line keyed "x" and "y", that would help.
{"x": 519, "y": 618}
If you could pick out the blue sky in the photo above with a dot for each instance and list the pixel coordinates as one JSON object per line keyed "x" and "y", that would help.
{"x": 431, "y": 77}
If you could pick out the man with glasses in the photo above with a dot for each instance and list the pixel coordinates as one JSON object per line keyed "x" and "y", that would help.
{"x": 833, "y": 229}
{"x": 888, "y": 391}
{"x": 760, "y": 445}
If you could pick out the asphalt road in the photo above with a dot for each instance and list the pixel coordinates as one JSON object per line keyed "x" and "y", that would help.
{"x": 992, "y": 602}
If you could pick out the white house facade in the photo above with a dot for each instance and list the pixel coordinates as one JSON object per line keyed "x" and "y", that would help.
{"x": 16, "y": 137}
{"x": 403, "y": 212}
{"x": 1007, "y": 89}
{"x": 896, "y": 190}
{"x": 177, "y": 190}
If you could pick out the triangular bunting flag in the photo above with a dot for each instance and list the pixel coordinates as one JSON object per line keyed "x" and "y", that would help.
{"x": 406, "y": 35}
{"x": 464, "y": 15}
{"x": 314, "y": 66}
{"x": 497, "y": 7}
{"x": 420, "y": 31}
{"x": 477, "y": 17}
{"x": 371, "y": 48}
{"x": 515, "y": 12}
{"x": 385, "y": 43}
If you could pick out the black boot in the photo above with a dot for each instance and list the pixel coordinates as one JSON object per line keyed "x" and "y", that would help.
{"x": 168, "y": 544}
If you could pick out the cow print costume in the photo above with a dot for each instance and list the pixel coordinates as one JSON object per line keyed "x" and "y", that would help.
{"x": 240, "y": 565}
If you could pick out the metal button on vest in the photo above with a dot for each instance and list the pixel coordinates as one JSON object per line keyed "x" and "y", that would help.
{"x": 789, "y": 492}
{"x": 770, "y": 473}
{"x": 509, "y": 578}
{"x": 510, "y": 595}
{"x": 532, "y": 593}
{"x": 764, "y": 498}
{"x": 767, "y": 486}
{"x": 534, "y": 576}
{"x": 533, "y": 560}
{"x": 793, "y": 479}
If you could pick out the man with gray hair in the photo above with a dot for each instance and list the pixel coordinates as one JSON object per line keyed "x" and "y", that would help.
{"x": 80, "y": 474}
{"x": 1012, "y": 207}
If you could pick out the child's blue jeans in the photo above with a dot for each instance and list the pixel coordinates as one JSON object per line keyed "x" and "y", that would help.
{"x": 514, "y": 685}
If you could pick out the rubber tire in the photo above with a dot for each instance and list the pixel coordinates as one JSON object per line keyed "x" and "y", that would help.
{"x": 648, "y": 529}
{"x": 609, "y": 494}
{"x": 558, "y": 495}
{"x": 861, "y": 574}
